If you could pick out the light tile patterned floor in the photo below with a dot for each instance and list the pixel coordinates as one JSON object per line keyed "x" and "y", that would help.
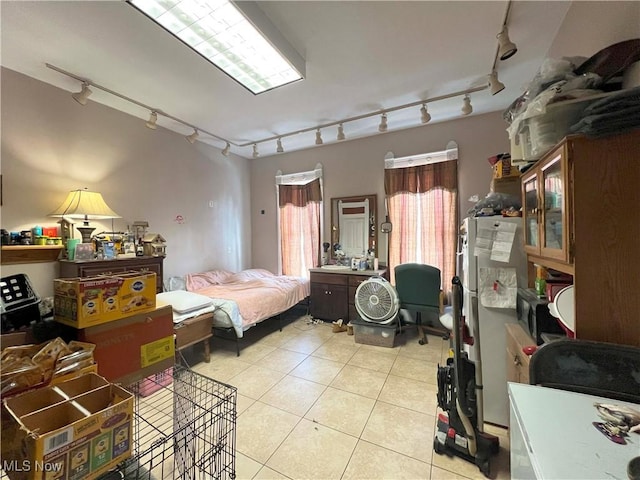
{"x": 313, "y": 404}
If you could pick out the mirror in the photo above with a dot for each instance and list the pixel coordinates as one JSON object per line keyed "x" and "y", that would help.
{"x": 353, "y": 224}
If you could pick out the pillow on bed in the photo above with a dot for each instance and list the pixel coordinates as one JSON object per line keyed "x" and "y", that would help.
{"x": 196, "y": 281}
{"x": 250, "y": 274}
{"x": 182, "y": 301}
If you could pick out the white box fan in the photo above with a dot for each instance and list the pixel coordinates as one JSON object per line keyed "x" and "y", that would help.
{"x": 377, "y": 301}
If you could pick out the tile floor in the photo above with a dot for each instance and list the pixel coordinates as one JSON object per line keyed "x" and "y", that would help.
{"x": 313, "y": 404}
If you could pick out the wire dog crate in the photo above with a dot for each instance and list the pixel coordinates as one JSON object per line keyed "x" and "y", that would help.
{"x": 185, "y": 429}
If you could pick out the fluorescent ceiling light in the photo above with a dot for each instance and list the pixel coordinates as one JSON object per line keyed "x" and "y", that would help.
{"x": 221, "y": 32}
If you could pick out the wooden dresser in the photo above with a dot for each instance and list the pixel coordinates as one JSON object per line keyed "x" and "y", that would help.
{"x": 69, "y": 268}
{"x": 333, "y": 292}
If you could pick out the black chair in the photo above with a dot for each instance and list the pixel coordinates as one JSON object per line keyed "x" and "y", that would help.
{"x": 595, "y": 368}
{"x": 418, "y": 287}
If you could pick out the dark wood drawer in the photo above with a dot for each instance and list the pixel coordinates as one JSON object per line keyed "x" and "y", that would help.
{"x": 89, "y": 271}
{"x": 355, "y": 280}
{"x": 330, "y": 278}
{"x": 70, "y": 269}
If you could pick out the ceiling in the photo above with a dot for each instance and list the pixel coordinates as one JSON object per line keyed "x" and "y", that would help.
{"x": 361, "y": 57}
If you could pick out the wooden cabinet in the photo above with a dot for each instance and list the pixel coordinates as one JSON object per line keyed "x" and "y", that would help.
{"x": 517, "y": 360}
{"x": 329, "y": 296}
{"x": 583, "y": 196}
{"x": 89, "y": 268}
{"x": 333, "y": 293}
{"x": 546, "y": 207}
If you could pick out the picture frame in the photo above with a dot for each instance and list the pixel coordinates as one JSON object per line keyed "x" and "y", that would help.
{"x": 84, "y": 251}
{"x": 108, "y": 250}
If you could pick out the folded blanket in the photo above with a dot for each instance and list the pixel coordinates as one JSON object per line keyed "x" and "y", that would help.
{"x": 629, "y": 97}
{"x": 608, "y": 123}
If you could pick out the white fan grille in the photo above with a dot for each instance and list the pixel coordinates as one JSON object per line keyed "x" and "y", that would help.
{"x": 377, "y": 301}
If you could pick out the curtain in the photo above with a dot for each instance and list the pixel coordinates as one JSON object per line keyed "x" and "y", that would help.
{"x": 421, "y": 203}
{"x": 300, "y": 207}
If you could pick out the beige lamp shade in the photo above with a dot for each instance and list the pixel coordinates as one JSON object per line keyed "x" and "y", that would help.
{"x": 86, "y": 205}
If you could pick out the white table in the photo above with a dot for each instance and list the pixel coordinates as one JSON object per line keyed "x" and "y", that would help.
{"x": 552, "y": 436}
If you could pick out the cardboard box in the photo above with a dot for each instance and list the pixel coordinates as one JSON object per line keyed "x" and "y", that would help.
{"x": 76, "y": 430}
{"x": 509, "y": 186}
{"x": 88, "y": 301}
{"x": 133, "y": 347}
{"x": 503, "y": 168}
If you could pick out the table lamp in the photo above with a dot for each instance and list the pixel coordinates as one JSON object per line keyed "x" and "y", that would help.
{"x": 87, "y": 206}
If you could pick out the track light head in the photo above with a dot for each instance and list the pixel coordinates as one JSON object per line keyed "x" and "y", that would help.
{"x": 82, "y": 95}
{"x": 495, "y": 85}
{"x": 383, "y": 123}
{"x": 279, "y": 148}
{"x": 193, "y": 137}
{"x": 318, "y": 137}
{"x": 225, "y": 150}
{"x": 425, "y": 116}
{"x": 507, "y": 47}
{"x": 153, "y": 119}
{"x": 340, "y": 133}
{"x": 256, "y": 154}
{"x": 466, "y": 105}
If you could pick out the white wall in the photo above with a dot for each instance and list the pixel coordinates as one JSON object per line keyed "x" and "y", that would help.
{"x": 356, "y": 167}
{"x": 591, "y": 26}
{"x": 51, "y": 145}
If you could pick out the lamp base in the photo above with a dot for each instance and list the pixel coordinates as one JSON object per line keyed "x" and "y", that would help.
{"x": 86, "y": 233}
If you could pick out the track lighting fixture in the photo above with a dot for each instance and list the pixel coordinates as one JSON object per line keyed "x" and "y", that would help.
{"x": 495, "y": 85}
{"x": 193, "y": 137}
{"x": 425, "y": 116}
{"x": 466, "y": 105}
{"x": 383, "y": 123}
{"x": 82, "y": 95}
{"x": 153, "y": 119}
{"x": 507, "y": 48}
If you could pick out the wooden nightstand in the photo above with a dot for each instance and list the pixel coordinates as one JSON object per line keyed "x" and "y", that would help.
{"x": 195, "y": 330}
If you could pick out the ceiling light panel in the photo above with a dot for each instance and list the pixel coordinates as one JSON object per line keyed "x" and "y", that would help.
{"x": 219, "y": 32}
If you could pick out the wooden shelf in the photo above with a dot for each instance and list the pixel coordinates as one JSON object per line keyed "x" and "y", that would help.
{"x": 14, "y": 254}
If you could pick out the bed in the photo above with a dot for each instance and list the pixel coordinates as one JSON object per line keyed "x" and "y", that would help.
{"x": 238, "y": 300}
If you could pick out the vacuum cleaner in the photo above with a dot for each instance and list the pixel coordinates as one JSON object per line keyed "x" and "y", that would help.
{"x": 460, "y": 427}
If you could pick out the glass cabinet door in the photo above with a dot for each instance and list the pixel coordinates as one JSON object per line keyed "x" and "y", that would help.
{"x": 553, "y": 193}
{"x": 531, "y": 215}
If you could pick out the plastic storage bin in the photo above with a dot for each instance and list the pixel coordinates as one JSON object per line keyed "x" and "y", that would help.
{"x": 541, "y": 133}
{"x": 369, "y": 333}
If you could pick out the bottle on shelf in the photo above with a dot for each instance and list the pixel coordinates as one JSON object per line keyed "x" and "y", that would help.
{"x": 541, "y": 281}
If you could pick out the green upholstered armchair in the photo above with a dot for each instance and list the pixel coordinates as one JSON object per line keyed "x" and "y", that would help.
{"x": 418, "y": 286}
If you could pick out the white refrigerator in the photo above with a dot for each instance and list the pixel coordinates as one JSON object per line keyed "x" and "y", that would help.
{"x": 491, "y": 321}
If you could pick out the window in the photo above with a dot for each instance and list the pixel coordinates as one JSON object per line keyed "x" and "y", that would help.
{"x": 299, "y": 221}
{"x": 421, "y": 197}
